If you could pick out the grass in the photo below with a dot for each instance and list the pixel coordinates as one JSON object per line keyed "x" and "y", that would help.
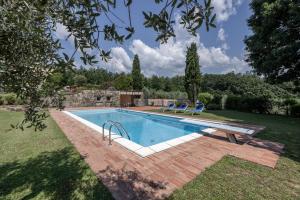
{"x": 233, "y": 178}
{"x": 36, "y": 165}
{"x": 43, "y": 165}
{"x": 282, "y": 129}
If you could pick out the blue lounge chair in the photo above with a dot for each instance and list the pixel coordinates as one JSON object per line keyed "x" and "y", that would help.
{"x": 182, "y": 107}
{"x": 171, "y": 106}
{"x": 198, "y": 109}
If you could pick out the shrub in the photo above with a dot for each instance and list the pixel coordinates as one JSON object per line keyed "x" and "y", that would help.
{"x": 261, "y": 104}
{"x": 250, "y": 104}
{"x": 217, "y": 102}
{"x": 241, "y": 85}
{"x": 205, "y": 97}
{"x": 288, "y": 103}
{"x": 20, "y": 101}
{"x": 232, "y": 102}
{"x": 213, "y": 106}
{"x": 10, "y": 99}
{"x": 278, "y": 106}
{"x": 80, "y": 80}
{"x": 295, "y": 110}
{"x": 1, "y": 100}
{"x": 160, "y": 94}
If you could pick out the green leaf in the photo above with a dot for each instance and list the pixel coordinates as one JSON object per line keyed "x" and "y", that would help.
{"x": 180, "y": 4}
{"x": 129, "y": 2}
{"x": 213, "y": 18}
{"x": 66, "y": 56}
{"x": 212, "y": 25}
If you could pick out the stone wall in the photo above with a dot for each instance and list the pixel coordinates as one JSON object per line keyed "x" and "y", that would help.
{"x": 97, "y": 98}
{"x": 159, "y": 102}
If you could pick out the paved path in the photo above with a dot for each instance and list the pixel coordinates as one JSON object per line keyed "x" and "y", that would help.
{"x": 129, "y": 176}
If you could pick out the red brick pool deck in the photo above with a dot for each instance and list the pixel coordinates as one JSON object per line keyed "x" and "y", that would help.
{"x": 129, "y": 176}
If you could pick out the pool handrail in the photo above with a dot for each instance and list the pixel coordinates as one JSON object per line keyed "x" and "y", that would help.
{"x": 121, "y": 126}
{"x": 118, "y": 125}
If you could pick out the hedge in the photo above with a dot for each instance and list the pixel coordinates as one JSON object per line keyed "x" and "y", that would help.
{"x": 249, "y": 104}
{"x": 295, "y": 110}
{"x": 10, "y": 99}
{"x": 1, "y": 100}
{"x": 205, "y": 97}
{"x": 218, "y": 102}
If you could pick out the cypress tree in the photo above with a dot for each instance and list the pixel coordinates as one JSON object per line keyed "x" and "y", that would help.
{"x": 137, "y": 78}
{"x": 192, "y": 76}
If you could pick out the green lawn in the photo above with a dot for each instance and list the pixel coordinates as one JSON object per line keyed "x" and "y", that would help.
{"x": 43, "y": 165}
{"x": 233, "y": 178}
{"x": 46, "y": 166}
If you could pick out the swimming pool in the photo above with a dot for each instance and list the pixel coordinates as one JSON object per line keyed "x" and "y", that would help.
{"x": 148, "y": 133}
{"x": 143, "y": 129}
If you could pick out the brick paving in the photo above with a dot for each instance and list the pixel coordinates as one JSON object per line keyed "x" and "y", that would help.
{"x": 129, "y": 176}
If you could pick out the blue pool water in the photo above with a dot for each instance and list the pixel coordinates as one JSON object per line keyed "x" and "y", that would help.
{"x": 144, "y": 129}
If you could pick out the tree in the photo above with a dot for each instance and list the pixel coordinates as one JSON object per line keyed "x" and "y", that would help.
{"x": 123, "y": 82}
{"x": 157, "y": 82}
{"x": 137, "y": 77}
{"x": 31, "y": 52}
{"x": 80, "y": 80}
{"x": 241, "y": 85}
{"x": 192, "y": 76}
{"x": 168, "y": 86}
{"x": 274, "y": 45}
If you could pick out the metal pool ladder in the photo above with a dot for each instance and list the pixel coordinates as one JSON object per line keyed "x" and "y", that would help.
{"x": 118, "y": 125}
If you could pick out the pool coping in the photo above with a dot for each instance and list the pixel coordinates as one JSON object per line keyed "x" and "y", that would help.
{"x": 210, "y": 123}
{"x": 150, "y": 150}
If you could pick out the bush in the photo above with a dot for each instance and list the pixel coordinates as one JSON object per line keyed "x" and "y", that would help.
{"x": 10, "y": 99}
{"x": 80, "y": 80}
{"x": 213, "y": 106}
{"x": 241, "y": 85}
{"x": 288, "y": 103}
{"x": 232, "y": 102}
{"x": 295, "y": 110}
{"x": 160, "y": 94}
{"x": 205, "y": 98}
{"x": 249, "y": 104}
{"x": 20, "y": 101}
{"x": 261, "y": 104}
{"x": 217, "y": 102}
{"x": 1, "y": 100}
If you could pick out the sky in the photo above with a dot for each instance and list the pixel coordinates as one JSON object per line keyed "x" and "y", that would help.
{"x": 221, "y": 50}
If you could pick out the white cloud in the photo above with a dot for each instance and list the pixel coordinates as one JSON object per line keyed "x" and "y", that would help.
{"x": 62, "y": 33}
{"x": 222, "y": 37}
{"x": 225, "y": 46}
{"x": 225, "y": 8}
{"x": 169, "y": 59}
{"x": 120, "y": 61}
{"x": 221, "y": 34}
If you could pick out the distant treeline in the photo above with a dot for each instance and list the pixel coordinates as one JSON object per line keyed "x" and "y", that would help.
{"x": 230, "y": 84}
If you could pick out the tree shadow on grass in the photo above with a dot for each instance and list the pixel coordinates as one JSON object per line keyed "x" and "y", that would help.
{"x": 131, "y": 184}
{"x": 61, "y": 174}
